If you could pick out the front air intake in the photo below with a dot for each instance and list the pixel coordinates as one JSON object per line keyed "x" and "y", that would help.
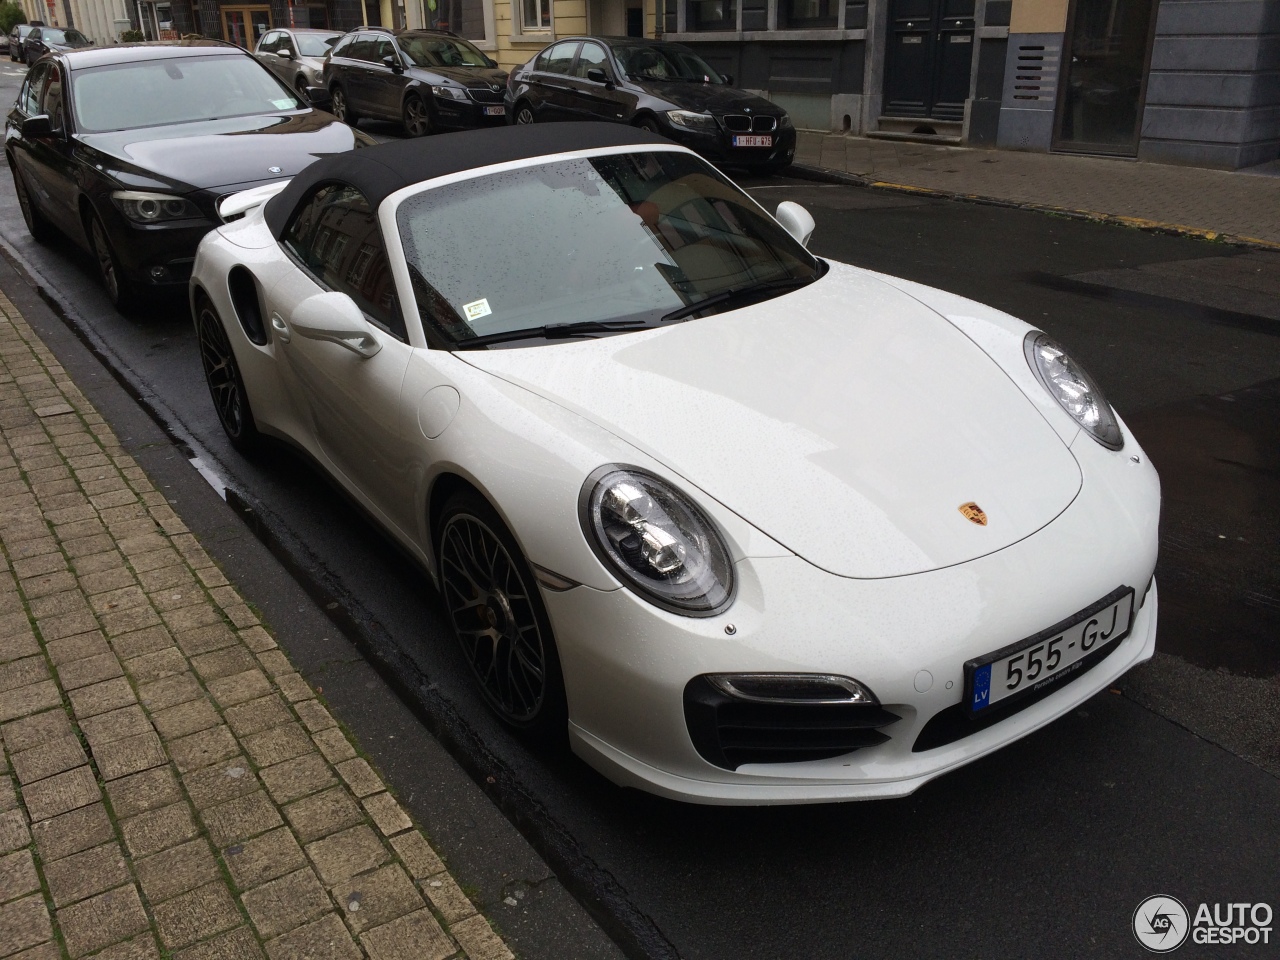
{"x": 780, "y": 722}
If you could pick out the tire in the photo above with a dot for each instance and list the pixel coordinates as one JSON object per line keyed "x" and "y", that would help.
{"x": 524, "y": 114}
{"x": 649, "y": 124}
{"x": 37, "y": 225}
{"x": 120, "y": 291}
{"x": 416, "y": 116}
{"x": 222, "y": 375}
{"x": 499, "y": 619}
{"x": 341, "y": 109}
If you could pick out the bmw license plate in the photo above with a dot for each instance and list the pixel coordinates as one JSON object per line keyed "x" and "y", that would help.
{"x": 1051, "y": 657}
{"x": 758, "y": 141}
{"x": 494, "y": 111}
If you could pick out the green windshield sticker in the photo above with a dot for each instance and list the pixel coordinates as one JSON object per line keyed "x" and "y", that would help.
{"x": 476, "y": 309}
{"x": 287, "y": 104}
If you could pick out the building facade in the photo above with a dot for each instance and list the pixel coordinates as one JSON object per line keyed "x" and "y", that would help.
{"x": 1180, "y": 81}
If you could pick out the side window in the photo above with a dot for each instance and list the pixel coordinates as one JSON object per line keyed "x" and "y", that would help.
{"x": 560, "y": 57}
{"x": 284, "y": 42}
{"x": 51, "y": 99}
{"x": 335, "y": 234}
{"x": 385, "y": 49}
{"x": 29, "y": 98}
{"x": 268, "y": 43}
{"x": 363, "y": 48}
{"x": 343, "y": 47}
{"x": 34, "y": 34}
{"x": 591, "y": 56}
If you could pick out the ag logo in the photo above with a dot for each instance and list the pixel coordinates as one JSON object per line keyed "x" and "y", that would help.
{"x": 1161, "y": 923}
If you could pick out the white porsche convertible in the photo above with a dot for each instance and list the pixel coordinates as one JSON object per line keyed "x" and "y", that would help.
{"x": 749, "y": 526}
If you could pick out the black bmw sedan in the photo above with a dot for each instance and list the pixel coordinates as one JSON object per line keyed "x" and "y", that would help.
{"x": 128, "y": 149}
{"x": 662, "y": 87}
{"x": 426, "y": 79}
{"x": 41, "y": 40}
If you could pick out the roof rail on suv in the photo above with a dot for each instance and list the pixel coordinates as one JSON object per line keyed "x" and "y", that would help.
{"x": 395, "y": 32}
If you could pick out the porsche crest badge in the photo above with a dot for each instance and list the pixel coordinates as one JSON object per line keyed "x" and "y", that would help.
{"x": 973, "y": 513}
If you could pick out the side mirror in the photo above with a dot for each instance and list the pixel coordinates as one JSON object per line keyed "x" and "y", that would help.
{"x": 284, "y": 54}
{"x": 796, "y": 220}
{"x": 727, "y": 78}
{"x": 35, "y": 127}
{"x": 335, "y": 317}
{"x": 596, "y": 75}
{"x": 490, "y": 61}
{"x": 319, "y": 98}
{"x": 393, "y": 63}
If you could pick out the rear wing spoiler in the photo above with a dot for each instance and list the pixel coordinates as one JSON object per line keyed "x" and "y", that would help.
{"x": 236, "y": 205}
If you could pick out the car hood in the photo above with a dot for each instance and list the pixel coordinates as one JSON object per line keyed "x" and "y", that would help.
{"x": 709, "y": 97}
{"x": 467, "y": 76}
{"x": 846, "y": 420}
{"x": 217, "y": 153}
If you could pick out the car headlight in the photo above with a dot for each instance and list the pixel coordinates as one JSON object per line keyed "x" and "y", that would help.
{"x": 449, "y": 93}
{"x": 1074, "y": 389}
{"x": 702, "y": 122}
{"x": 154, "y": 207}
{"x": 657, "y": 541}
{"x": 784, "y": 122}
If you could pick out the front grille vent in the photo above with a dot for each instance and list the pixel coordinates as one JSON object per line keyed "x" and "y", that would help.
{"x": 741, "y": 123}
{"x": 730, "y": 731}
{"x": 485, "y": 95}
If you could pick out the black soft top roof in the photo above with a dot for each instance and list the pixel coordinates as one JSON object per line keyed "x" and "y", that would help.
{"x": 380, "y": 171}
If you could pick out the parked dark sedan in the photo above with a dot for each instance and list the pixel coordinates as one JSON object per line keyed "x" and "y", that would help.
{"x": 17, "y": 35}
{"x": 42, "y": 40}
{"x": 426, "y": 79}
{"x": 128, "y": 149}
{"x": 663, "y": 87}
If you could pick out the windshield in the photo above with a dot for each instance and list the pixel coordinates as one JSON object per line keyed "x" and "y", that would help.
{"x": 70, "y": 38}
{"x": 151, "y": 93}
{"x": 664, "y": 63}
{"x": 316, "y": 44}
{"x": 433, "y": 51}
{"x": 630, "y": 237}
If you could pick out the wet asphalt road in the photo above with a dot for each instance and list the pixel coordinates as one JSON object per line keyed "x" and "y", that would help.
{"x": 1170, "y": 786}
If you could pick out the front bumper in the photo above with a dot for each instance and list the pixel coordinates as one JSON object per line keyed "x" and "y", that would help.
{"x": 467, "y": 114}
{"x": 626, "y": 663}
{"x": 718, "y": 146}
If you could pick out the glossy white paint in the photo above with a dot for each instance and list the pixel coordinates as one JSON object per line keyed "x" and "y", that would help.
{"x": 830, "y": 434}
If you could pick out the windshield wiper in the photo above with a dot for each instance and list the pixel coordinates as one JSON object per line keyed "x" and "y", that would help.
{"x": 737, "y": 293}
{"x": 553, "y": 331}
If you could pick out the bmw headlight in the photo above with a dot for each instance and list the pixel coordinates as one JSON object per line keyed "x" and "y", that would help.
{"x": 1074, "y": 389}
{"x": 784, "y": 122}
{"x": 701, "y": 122}
{"x": 449, "y": 93}
{"x": 143, "y": 207}
{"x": 657, "y": 541}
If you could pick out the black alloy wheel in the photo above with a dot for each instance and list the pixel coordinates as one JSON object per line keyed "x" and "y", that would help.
{"x": 417, "y": 117}
{"x": 119, "y": 290}
{"x": 37, "y": 226}
{"x": 341, "y": 109}
{"x": 524, "y": 113}
{"x": 649, "y": 124}
{"x": 226, "y": 386}
{"x": 499, "y": 619}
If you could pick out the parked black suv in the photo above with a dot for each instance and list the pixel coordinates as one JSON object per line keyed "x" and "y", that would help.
{"x": 427, "y": 79}
{"x": 663, "y": 87}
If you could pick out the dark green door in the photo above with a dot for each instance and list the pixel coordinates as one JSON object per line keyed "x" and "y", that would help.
{"x": 927, "y": 59}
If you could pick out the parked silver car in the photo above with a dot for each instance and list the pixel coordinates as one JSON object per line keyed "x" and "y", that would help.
{"x": 297, "y": 56}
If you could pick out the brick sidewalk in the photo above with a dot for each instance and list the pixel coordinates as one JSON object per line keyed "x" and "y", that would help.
{"x": 1214, "y": 202}
{"x": 169, "y": 785}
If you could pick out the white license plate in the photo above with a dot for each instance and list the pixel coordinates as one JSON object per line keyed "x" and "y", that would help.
{"x": 1049, "y": 658}
{"x": 753, "y": 141}
{"x": 494, "y": 111}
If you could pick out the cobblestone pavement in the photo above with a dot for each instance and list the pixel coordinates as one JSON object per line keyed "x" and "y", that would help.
{"x": 1193, "y": 200}
{"x": 169, "y": 785}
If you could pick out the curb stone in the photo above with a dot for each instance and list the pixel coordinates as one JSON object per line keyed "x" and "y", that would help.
{"x": 169, "y": 785}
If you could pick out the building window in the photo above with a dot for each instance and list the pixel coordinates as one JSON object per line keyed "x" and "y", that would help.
{"x": 536, "y": 15}
{"x": 468, "y": 19}
{"x": 713, "y": 14}
{"x": 809, "y": 13}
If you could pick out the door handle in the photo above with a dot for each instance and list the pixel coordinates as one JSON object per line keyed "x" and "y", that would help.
{"x": 280, "y": 327}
